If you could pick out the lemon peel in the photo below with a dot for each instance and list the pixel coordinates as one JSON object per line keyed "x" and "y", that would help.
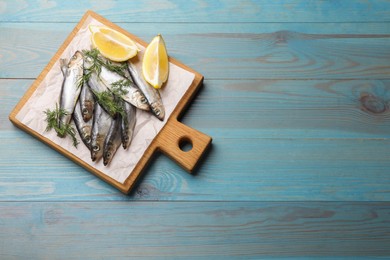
{"x": 112, "y": 44}
{"x": 155, "y": 63}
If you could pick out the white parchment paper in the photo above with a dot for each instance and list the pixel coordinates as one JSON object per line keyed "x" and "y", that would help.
{"x": 147, "y": 126}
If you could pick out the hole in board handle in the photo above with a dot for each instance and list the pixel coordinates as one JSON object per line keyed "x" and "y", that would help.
{"x": 185, "y": 144}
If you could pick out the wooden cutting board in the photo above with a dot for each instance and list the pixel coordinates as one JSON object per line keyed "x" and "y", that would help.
{"x": 169, "y": 139}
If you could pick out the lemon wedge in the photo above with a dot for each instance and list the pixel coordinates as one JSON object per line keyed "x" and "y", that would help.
{"x": 112, "y": 44}
{"x": 155, "y": 65}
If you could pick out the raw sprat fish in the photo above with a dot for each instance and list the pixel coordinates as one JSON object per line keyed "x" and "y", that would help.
{"x": 87, "y": 102}
{"x": 125, "y": 88}
{"x": 83, "y": 128}
{"x": 60, "y": 117}
{"x": 100, "y": 127}
{"x": 102, "y": 75}
{"x": 102, "y": 96}
{"x": 70, "y": 91}
{"x": 152, "y": 95}
{"x": 112, "y": 140}
{"x": 127, "y": 124}
{"x": 100, "y": 91}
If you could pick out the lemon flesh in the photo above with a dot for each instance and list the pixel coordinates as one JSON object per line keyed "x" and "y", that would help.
{"x": 112, "y": 44}
{"x": 155, "y": 64}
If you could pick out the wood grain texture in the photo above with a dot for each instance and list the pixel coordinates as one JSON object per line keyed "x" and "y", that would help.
{"x": 293, "y": 108}
{"x": 234, "y": 169}
{"x": 175, "y": 136}
{"x": 193, "y": 229}
{"x": 271, "y": 108}
{"x": 327, "y": 140}
{"x": 178, "y": 11}
{"x": 259, "y": 52}
{"x": 296, "y": 98}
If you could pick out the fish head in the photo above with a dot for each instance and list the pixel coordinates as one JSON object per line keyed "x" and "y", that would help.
{"x": 140, "y": 100}
{"x": 96, "y": 148}
{"x": 76, "y": 60}
{"x": 87, "y": 110}
{"x": 87, "y": 62}
{"x": 63, "y": 66}
{"x": 108, "y": 153}
{"x": 126, "y": 139}
{"x": 86, "y": 136}
{"x": 158, "y": 110}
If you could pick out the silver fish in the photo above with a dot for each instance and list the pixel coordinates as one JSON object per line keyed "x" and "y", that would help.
{"x": 105, "y": 80}
{"x": 151, "y": 94}
{"x": 94, "y": 81}
{"x": 112, "y": 141}
{"x": 87, "y": 102}
{"x": 70, "y": 91}
{"x": 133, "y": 95}
{"x": 84, "y": 128}
{"x": 97, "y": 86}
{"x": 100, "y": 127}
{"x": 128, "y": 124}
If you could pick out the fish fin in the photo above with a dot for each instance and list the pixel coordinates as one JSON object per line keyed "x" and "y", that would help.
{"x": 63, "y": 65}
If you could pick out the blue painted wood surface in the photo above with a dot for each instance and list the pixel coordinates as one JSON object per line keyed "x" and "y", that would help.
{"x": 296, "y": 97}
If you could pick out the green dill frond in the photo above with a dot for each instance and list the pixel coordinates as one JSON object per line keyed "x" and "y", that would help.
{"x": 109, "y": 103}
{"x": 53, "y": 119}
{"x": 118, "y": 88}
{"x": 119, "y": 69}
{"x": 98, "y": 61}
{"x": 93, "y": 53}
{"x": 67, "y": 129}
{"x": 109, "y": 100}
{"x": 124, "y": 115}
{"x": 80, "y": 81}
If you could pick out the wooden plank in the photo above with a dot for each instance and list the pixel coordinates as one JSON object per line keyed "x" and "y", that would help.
{"x": 279, "y": 52}
{"x": 226, "y": 11}
{"x": 272, "y": 108}
{"x": 280, "y": 111}
{"x": 214, "y": 230}
{"x": 293, "y": 109}
{"x": 10, "y": 93}
{"x": 234, "y": 169}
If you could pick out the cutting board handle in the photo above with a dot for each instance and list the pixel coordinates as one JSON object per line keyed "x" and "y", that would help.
{"x": 175, "y": 137}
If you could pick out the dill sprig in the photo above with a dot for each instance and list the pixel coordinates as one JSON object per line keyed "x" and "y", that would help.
{"x": 109, "y": 102}
{"x": 98, "y": 61}
{"x": 118, "y": 68}
{"x": 96, "y": 67}
{"x": 53, "y": 119}
{"x": 111, "y": 99}
{"x": 118, "y": 88}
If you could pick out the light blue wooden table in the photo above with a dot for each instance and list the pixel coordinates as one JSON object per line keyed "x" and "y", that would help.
{"x": 296, "y": 97}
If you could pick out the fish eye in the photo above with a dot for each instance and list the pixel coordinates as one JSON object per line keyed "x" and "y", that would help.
{"x": 84, "y": 111}
{"x": 108, "y": 154}
{"x": 143, "y": 100}
{"x": 88, "y": 139}
{"x": 157, "y": 111}
{"x": 96, "y": 148}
